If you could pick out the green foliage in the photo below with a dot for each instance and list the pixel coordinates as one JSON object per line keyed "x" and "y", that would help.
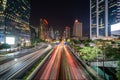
{"x": 89, "y": 53}
{"x": 77, "y": 48}
{"x": 35, "y": 41}
{"x": 118, "y": 71}
{"x": 75, "y": 41}
{"x": 18, "y": 44}
{"x": 86, "y": 42}
{"x": 5, "y": 46}
{"x": 112, "y": 52}
{"x": 1, "y": 46}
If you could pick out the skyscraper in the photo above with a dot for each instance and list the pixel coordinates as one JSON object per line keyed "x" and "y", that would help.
{"x": 77, "y": 29}
{"x": 43, "y": 29}
{"x": 51, "y": 33}
{"x": 67, "y": 32}
{"x": 103, "y": 13}
{"x": 14, "y": 20}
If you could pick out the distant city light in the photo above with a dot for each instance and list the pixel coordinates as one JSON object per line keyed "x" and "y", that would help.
{"x": 15, "y": 59}
{"x": 10, "y": 40}
{"x": 76, "y": 20}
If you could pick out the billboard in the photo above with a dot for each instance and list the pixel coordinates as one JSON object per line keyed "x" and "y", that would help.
{"x": 115, "y": 29}
{"x": 10, "y": 40}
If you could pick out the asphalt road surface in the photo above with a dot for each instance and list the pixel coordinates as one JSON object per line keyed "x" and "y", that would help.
{"x": 12, "y": 69}
{"x": 61, "y": 65}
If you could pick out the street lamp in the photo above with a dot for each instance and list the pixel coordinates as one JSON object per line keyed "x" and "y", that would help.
{"x": 103, "y": 53}
{"x": 94, "y": 45}
{"x": 103, "y": 61}
{"x": 97, "y": 59}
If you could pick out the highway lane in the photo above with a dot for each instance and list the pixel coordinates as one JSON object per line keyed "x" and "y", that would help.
{"x": 75, "y": 68}
{"x": 11, "y": 56}
{"x": 12, "y": 69}
{"x": 50, "y": 68}
{"x": 61, "y": 65}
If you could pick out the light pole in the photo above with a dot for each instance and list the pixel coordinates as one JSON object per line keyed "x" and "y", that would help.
{"x": 103, "y": 53}
{"x": 95, "y": 45}
{"x": 5, "y": 36}
{"x": 103, "y": 61}
{"x": 97, "y": 59}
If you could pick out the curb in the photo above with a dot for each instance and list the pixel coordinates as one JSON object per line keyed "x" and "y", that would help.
{"x": 30, "y": 77}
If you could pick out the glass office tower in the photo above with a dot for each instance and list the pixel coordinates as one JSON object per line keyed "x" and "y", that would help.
{"x": 103, "y": 13}
{"x": 14, "y": 20}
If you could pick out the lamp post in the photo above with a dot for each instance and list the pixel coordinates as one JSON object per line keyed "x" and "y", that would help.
{"x": 95, "y": 45}
{"x": 103, "y": 53}
{"x": 5, "y": 36}
{"x": 103, "y": 61}
{"x": 97, "y": 59}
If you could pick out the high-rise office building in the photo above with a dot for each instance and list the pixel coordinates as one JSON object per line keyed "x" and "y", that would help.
{"x": 103, "y": 13}
{"x": 43, "y": 29}
{"x": 14, "y": 21}
{"x": 67, "y": 32}
{"x": 51, "y": 33}
{"x": 77, "y": 29}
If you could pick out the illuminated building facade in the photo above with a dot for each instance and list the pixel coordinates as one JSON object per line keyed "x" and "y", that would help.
{"x": 43, "y": 29}
{"x": 14, "y": 21}
{"x": 57, "y": 33}
{"x": 51, "y": 33}
{"x": 77, "y": 29}
{"x": 67, "y": 32}
{"x": 34, "y": 32}
{"x": 103, "y": 13}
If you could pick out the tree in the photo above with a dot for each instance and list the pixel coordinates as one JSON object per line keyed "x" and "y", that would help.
{"x": 114, "y": 53}
{"x": 111, "y": 52}
{"x": 18, "y": 45}
{"x": 87, "y": 42}
{"x": 5, "y": 46}
{"x": 34, "y": 42}
{"x": 75, "y": 41}
{"x": 89, "y": 53}
{"x": 118, "y": 71}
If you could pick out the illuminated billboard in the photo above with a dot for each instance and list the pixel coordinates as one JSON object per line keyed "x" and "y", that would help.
{"x": 115, "y": 29}
{"x": 10, "y": 40}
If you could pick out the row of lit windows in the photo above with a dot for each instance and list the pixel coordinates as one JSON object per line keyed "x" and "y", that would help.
{"x": 17, "y": 9}
{"x": 12, "y": 9}
{"x": 22, "y": 23}
{"x": 17, "y": 13}
{"x": 101, "y": 1}
{"x": 112, "y": 5}
{"x": 16, "y": 19}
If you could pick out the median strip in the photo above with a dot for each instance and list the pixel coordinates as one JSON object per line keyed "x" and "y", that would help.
{"x": 30, "y": 74}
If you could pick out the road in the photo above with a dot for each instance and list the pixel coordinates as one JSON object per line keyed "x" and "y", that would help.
{"x": 12, "y": 69}
{"x": 61, "y": 65}
{"x": 11, "y": 56}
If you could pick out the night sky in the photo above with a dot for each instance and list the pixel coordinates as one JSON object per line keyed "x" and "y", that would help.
{"x": 60, "y": 12}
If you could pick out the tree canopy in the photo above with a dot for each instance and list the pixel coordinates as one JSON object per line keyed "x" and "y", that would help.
{"x": 89, "y": 53}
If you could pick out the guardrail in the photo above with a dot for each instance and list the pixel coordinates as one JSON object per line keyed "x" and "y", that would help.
{"x": 92, "y": 73}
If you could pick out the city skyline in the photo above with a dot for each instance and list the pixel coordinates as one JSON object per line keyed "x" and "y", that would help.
{"x": 60, "y": 13}
{"x": 58, "y": 40}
